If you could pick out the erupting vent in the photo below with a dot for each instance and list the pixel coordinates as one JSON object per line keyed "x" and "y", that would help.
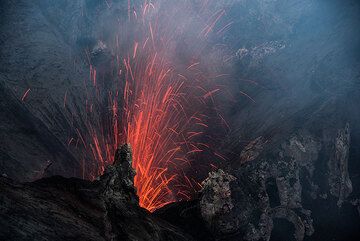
{"x": 166, "y": 104}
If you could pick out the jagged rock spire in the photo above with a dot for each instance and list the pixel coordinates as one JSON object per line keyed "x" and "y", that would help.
{"x": 118, "y": 179}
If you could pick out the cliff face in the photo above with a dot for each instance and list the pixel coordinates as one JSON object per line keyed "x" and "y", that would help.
{"x": 43, "y": 51}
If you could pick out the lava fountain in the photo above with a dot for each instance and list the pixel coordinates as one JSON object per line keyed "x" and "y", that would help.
{"x": 162, "y": 98}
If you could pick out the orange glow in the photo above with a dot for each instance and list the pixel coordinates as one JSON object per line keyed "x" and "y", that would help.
{"x": 158, "y": 102}
{"x": 162, "y": 113}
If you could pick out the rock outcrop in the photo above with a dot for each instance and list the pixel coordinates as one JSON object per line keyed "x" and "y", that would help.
{"x": 285, "y": 190}
{"x": 216, "y": 202}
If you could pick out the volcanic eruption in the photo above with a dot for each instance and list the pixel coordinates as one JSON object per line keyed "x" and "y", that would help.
{"x": 179, "y": 120}
{"x": 158, "y": 92}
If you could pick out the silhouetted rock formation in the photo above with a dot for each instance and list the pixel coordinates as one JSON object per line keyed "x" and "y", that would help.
{"x": 58, "y": 208}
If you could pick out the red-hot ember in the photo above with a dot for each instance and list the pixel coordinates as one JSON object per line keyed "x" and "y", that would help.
{"x": 160, "y": 99}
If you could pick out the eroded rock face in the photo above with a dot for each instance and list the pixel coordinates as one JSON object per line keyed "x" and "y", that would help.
{"x": 299, "y": 181}
{"x": 216, "y": 202}
{"x": 273, "y": 186}
{"x": 58, "y": 208}
{"x": 118, "y": 179}
{"x": 339, "y": 180}
{"x": 253, "y": 149}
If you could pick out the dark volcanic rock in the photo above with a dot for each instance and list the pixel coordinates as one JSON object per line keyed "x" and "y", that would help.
{"x": 58, "y": 208}
{"x": 187, "y": 215}
{"x": 42, "y": 48}
{"x": 216, "y": 203}
{"x": 27, "y": 147}
{"x": 293, "y": 187}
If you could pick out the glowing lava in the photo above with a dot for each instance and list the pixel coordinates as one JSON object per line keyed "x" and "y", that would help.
{"x": 162, "y": 107}
{"x": 164, "y": 116}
